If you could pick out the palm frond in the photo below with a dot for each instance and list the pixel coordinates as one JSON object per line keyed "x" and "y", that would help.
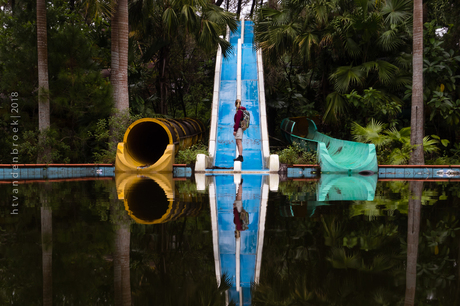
{"x": 430, "y": 145}
{"x": 341, "y": 260}
{"x": 397, "y": 11}
{"x": 346, "y": 76}
{"x": 402, "y": 136}
{"x": 170, "y": 19}
{"x": 352, "y": 47}
{"x": 306, "y": 42}
{"x": 389, "y": 40}
{"x": 336, "y": 105}
{"x": 384, "y": 69}
{"x": 371, "y": 133}
{"x": 399, "y": 156}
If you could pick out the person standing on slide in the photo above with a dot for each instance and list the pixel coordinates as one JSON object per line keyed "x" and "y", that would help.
{"x": 237, "y": 130}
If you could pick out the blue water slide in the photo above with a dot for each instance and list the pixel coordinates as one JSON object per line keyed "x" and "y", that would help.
{"x": 237, "y": 76}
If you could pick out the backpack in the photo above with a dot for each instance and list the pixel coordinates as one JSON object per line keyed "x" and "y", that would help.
{"x": 244, "y": 217}
{"x": 244, "y": 123}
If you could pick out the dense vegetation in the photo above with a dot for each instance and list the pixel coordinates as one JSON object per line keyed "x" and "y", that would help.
{"x": 347, "y": 64}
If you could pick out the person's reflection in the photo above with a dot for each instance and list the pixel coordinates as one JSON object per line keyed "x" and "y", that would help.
{"x": 240, "y": 216}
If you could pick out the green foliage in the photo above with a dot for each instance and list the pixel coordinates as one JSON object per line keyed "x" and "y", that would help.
{"x": 171, "y": 71}
{"x": 293, "y": 188}
{"x": 294, "y": 154}
{"x": 188, "y": 156}
{"x": 51, "y": 147}
{"x": 376, "y": 103}
{"x": 371, "y": 133}
{"x": 441, "y": 74}
{"x": 371, "y": 238}
{"x": 108, "y": 133}
{"x": 79, "y": 95}
{"x": 393, "y": 146}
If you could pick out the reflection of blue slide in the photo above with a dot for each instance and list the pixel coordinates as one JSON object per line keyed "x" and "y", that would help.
{"x": 238, "y": 258}
{"x": 245, "y": 247}
{"x": 225, "y": 147}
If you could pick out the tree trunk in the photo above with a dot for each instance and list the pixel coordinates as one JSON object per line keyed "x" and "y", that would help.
{"x": 413, "y": 229}
{"x": 121, "y": 254}
{"x": 163, "y": 66}
{"x": 252, "y": 7}
{"x": 272, "y": 4}
{"x": 47, "y": 245}
{"x": 238, "y": 9}
{"x": 417, "y": 117}
{"x": 119, "y": 65}
{"x": 114, "y": 74}
{"x": 43, "y": 83}
{"x": 114, "y": 57}
{"x": 122, "y": 277}
{"x": 123, "y": 31}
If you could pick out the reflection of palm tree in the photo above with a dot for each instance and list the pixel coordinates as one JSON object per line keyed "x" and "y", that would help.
{"x": 413, "y": 229}
{"x": 121, "y": 264}
{"x": 122, "y": 281}
{"x": 47, "y": 246}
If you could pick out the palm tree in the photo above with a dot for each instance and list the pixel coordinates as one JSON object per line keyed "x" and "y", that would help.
{"x": 119, "y": 63}
{"x": 115, "y": 58}
{"x": 177, "y": 23}
{"x": 417, "y": 117}
{"x": 43, "y": 82}
{"x": 122, "y": 102}
{"x": 336, "y": 40}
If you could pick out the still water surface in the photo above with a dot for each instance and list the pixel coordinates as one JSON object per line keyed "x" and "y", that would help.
{"x": 158, "y": 241}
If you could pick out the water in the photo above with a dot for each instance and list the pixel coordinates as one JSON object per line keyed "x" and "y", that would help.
{"x": 167, "y": 243}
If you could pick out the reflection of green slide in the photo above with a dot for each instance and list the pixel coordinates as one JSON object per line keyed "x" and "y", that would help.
{"x": 334, "y": 155}
{"x": 336, "y": 187}
{"x": 331, "y": 187}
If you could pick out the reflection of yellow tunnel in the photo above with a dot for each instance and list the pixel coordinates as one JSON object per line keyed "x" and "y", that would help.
{"x": 150, "y": 198}
{"x": 150, "y": 144}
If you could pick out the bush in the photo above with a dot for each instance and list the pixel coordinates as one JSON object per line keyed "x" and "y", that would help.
{"x": 51, "y": 149}
{"x": 296, "y": 155}
{"x": 188, "y": 156}
{"x": 109, "y": 133}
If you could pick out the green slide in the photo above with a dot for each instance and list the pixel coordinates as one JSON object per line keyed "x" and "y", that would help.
{"x": 334, "y": 155}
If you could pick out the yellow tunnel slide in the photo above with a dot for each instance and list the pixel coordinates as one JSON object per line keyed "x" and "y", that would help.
{"x": 150, "y": 144}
